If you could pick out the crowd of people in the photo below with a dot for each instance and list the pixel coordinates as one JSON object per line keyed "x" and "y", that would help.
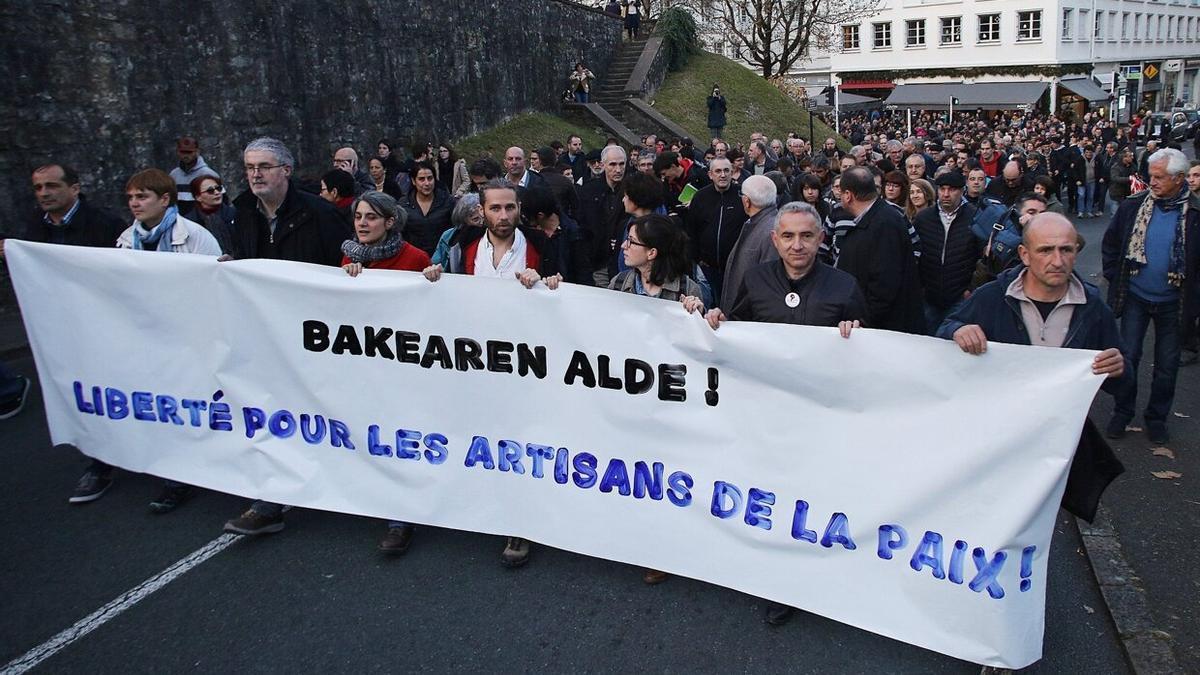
{"x": 958, "y": 230}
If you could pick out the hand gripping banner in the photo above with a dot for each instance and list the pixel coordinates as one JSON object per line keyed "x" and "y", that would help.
{"x": 887, "y": 481}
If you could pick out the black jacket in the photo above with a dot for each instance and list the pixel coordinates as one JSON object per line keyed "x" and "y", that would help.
{"x": 599, "y": 210}
{"x": 90, "y": 226}
{"x": 716, "y": 112}
{"x": 827, "y": 296}
{"x": 308, "y": 229}
{"x": 424, "y": 229}
{"x": 947, "y": 259}
{"x": 714, "y": 221}
{"x": 879, "y": 254}
{"x": 999, "y": 190}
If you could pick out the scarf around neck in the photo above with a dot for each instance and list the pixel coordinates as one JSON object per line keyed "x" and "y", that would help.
{"x": 365, "y": 254}
{"x": 160, "y": 237}
{"x": 1136, "y": 253}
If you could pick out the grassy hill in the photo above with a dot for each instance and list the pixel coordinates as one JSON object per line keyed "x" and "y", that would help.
{"x": 531, "y": 130}
{"x": 753, "y": 103}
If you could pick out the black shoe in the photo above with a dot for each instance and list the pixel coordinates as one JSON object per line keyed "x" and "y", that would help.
{"x": 778, "y": 614}
{"x": 91, "y": 486}
{"x": 1115, "y": 428}
{"x": 13, "y": 407}
{"x": 397, "y": 540}
{"x": 171, "y": 498}
{"x": 1189, "y": 357}
{"x": 1157, "y": 431}
{"x": 252, "y": 522}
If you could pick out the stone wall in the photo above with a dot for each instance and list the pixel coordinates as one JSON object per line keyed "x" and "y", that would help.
{"x": 107, "y": 85}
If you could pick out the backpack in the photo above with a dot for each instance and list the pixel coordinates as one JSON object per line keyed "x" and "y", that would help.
{"x": 996, "y": 225}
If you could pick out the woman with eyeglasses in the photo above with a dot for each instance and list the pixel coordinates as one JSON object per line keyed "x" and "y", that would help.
{"x": 655, "y": 254}
{"x": 215, "y": 213}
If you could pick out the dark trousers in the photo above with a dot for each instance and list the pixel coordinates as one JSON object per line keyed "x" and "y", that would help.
{"x": 1136, "y": 318}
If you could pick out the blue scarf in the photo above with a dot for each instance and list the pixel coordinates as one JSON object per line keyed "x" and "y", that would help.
{"x": 160, "y": 235}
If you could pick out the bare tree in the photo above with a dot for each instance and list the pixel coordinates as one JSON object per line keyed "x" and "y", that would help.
{"x": 776, "y": 34}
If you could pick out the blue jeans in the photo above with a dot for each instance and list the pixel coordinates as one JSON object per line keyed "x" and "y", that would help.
{"x": 934, "y": 316}
{"x": 1084, "y": 198}
{"x": 581, "y": 97}
{"x": 1135, "y": 321}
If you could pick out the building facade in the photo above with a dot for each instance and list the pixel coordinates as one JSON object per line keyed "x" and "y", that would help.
{"x": 1139, "y": 53}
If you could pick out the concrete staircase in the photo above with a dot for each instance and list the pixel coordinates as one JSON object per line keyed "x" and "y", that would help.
{"x": 616, "y": 102}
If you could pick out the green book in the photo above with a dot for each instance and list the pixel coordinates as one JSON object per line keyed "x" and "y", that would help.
{"x": 685, "y": 196}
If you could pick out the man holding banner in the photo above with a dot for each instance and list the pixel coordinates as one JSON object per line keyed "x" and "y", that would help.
{"x": 1045, "y": 304}
{"x": 796, "y": 289}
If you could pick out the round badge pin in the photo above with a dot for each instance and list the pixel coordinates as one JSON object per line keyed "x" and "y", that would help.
{"x": 792, "y": 299}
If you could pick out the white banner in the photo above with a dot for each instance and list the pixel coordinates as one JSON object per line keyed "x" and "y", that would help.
{"x": 887, "y": 481}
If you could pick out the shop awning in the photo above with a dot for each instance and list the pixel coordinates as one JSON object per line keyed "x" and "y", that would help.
{"x": 983, "y": 95}
{"x": 848, "y": 101}
{"x": 1086, "y": 88}
{"x": 867, "y": 84}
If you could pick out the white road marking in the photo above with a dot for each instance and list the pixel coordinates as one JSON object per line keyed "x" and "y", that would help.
{"x": 113, "y": 609}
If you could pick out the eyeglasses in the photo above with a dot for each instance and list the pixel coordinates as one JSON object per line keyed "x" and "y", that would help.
{"x": 214, "y": 190}
{"x": 634, "y": 242}
{"x": 252, "y": 169}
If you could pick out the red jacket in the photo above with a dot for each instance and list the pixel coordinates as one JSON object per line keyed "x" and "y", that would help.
{"x": 408, "y": 259}
{"x": 532, "y": 257}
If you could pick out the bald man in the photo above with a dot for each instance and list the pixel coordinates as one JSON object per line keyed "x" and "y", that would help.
{"x": 1012, "y": 184}
{"x": 346, "y": 159}
{"x": 1044, "y": 303}
{"x": 515, "y": 171}
{"x": 1052, "y": 307}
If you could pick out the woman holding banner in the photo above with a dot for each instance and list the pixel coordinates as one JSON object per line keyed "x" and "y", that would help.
{"x": 655, "y": 253}
{"x": 378, "y": 244}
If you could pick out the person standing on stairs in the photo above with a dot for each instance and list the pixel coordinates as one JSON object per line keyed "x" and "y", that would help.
{"x": 633, "y": 18}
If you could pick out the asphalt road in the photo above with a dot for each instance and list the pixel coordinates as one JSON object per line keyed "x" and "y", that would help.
{"x": 318, "y": 597}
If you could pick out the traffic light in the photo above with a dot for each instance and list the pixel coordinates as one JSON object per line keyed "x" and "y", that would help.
{"x": 954, "y": 100}
{"x": 829, "y": 92}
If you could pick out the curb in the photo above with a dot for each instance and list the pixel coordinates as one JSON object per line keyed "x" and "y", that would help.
{"x": 1147, "y": 648}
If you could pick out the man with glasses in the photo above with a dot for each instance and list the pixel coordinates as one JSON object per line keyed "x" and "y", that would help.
{"x": 278, "y": 220}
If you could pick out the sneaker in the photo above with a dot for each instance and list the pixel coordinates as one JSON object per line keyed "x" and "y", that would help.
{"x": 252, "y": 522}
{"x": 516, "y": 552}
{"x": 1157, "y": 431}
{"x": 13, "y": 407}
{"x": 1080, "y": 215}
{"x": 778, "y": 614}
{"x": 171, "y": 498}
{"x": 397, "y": 540}
{"x": 91, "y": 486}
{"x": 1115, "y": 428}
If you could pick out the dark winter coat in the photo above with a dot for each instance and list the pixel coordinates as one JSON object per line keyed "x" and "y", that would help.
{"x": 828, "y": 296}
{"x": 90, "y": 226}
{"x": 716, "y": 112}
{"x": 309, "y": 229}
{"x": 424, "y": 229}
{"x": 713, "y": 221}
{"x": 947, "y": 259}
{"x": 879, "y": 254}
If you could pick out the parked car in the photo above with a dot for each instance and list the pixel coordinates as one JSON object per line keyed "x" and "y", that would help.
{"x": 1172, "y": 126}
